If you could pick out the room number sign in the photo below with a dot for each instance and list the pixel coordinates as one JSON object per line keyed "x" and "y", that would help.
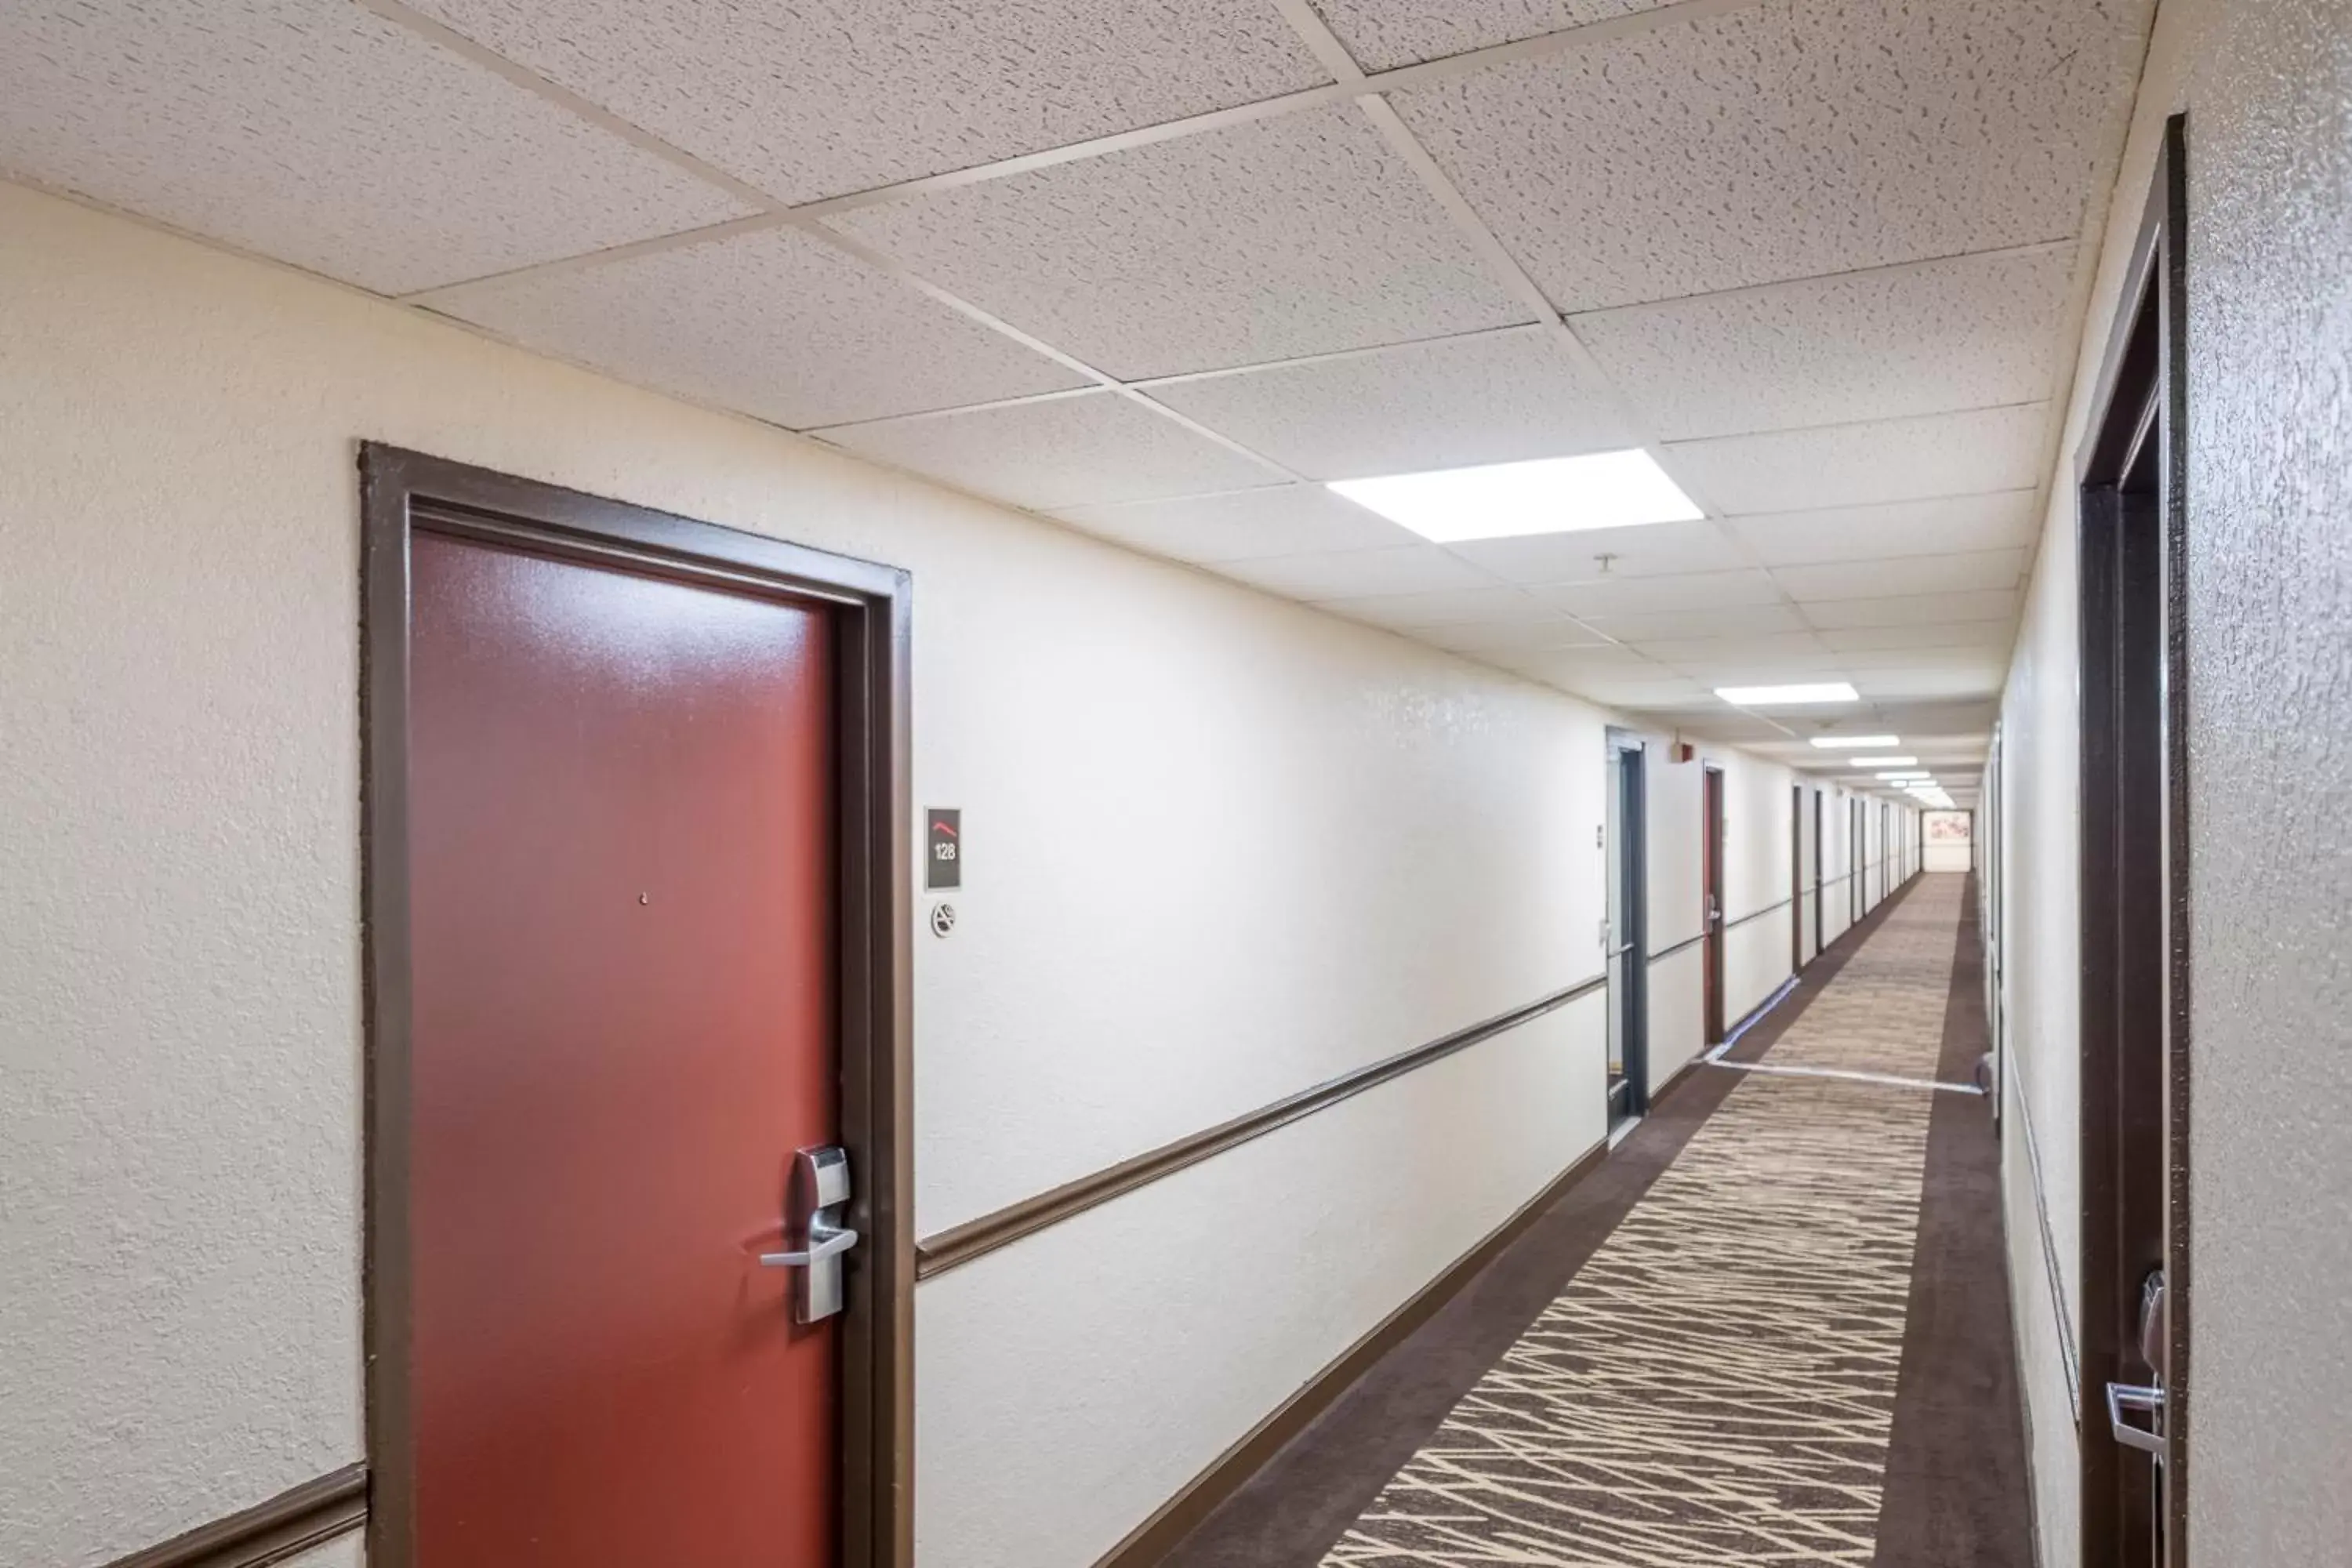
{"x": 944, "y": 853}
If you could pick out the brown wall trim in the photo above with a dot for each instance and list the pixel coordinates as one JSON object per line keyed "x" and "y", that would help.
{"x": 1665, "y": 952}
{"x": 1758, "y": 914}
{"x": 1179, "y": 1515}
{"x": 292, "y": 1521}
{"x": 976, "y": 1238}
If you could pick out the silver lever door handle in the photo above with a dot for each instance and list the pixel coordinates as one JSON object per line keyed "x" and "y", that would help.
{"x": 820, "y": 1192}
{"x": 833, "y": 1244}
{"x": 2123, "y": 1396}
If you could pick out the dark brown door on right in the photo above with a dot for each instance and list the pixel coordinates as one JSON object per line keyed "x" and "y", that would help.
{"x": 621, "y": 878}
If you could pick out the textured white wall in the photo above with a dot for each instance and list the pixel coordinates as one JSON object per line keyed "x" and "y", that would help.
{"x": 2041, "y": 842}
{"x": 1118, "y": 1338}
{"x": 343, "y": 1552}
{"x": 2270, "y": 731}
{"x": 1757, "y": 857}
{"x": 1376, "y": 843}
{"x": 2270, "y": 673}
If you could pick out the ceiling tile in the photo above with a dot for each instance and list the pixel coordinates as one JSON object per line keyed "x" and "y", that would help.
{"x": 776, "y": 324}
{"x": 823, "y": 96}
{"x": 1847, "y": 615}
{"x": 1728, "y": 621}
{"x": 1728, "y": 725}
{"x": 1608, "y": 658}
{"x": 1788, "y": 140}
{"x": 321, "y": 135}
{"x": 1495, "y": 639}
{"x": 1286, "y": 520}
{"x": 1634, "y": 692}
{"x": 1979, "y": 660}
{"x": 1857, "y": 465}
{"x": 1636, "y": 596}
{"x": 1450, "y": 608}
{"x": 1058, "y": 454}
{"x": 1969, "y": 333}
{"x": 1761, "y": 648}
{"x": 1953, "y": 681}
{"x": 1569, "y": 667}
{"x": 1299, "y": 235}
{"x": 1995, "y": 635}
{"x": 1726, "y": 669}
{"x": 1384, "y": 34}
{"x": 1657, "y": 549}
{"x": 1915, "y": 574}
{"x": 1496, "y": 397}
{"x": 2006, "y": 519}
{"x": 1358, "y": 574}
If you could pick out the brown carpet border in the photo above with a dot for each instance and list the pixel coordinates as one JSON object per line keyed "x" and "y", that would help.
{"x": 1295, "y": 1506}
{"x": 1956, "y": 1492}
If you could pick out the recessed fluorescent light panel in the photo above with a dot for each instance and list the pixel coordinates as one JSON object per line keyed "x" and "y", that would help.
{"x": 1907, "y": 778}
{"x": 1886, "y": 762}
{"x": 1847, "y": 743}
{"x": 1507, "y": 500}
{"x": 1789, "y": 696}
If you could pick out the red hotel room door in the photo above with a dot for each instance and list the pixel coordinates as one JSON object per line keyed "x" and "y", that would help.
{"x": 623, "y": 884}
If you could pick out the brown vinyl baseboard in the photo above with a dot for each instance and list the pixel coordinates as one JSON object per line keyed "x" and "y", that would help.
{"x": 1158, "y": 1535}
{"x": 1676, "y": 1079}
{"x": 293, "y": 1521}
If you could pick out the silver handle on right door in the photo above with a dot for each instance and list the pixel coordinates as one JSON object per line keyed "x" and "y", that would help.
{"x": 2148, "y": 1400}
{"x": 830, "y": 1244}
{"x": 821, "y": 1180}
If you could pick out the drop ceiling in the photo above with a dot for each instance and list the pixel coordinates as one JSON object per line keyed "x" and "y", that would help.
{"x": 1157, "y": 267}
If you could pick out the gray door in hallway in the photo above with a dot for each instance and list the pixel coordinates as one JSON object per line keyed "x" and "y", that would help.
{"x": 1624, "y": 934}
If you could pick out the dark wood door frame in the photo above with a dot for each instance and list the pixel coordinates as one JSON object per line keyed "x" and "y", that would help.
{"x": 2132, "y": 543}
{"x": 1820, "y": 889}
{"x": 1857, "y": 893}
{"x": 1712, "y": 817}
{"x": 1796, "y": 877}
{"x": 402, "y": 492}
{"x": 1633, "y": 868}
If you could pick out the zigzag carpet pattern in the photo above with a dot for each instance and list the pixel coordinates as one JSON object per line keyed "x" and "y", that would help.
{"x": 1717, "y": 1384}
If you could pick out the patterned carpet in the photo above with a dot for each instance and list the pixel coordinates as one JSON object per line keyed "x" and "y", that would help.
{"x": 1717, "y": 1384}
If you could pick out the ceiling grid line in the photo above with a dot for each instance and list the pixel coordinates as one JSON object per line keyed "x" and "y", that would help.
{"x": 1327, "y": 47}
{"x": 1838, "y": 338}
{"x": 776, "y": 211}
{"x": 521, "y": 76}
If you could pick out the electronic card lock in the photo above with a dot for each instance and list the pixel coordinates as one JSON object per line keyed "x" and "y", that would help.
{"x": 821, "y": 1195}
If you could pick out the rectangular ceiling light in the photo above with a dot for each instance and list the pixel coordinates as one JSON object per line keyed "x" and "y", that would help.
{"x": 1507, "y": 500}
{"x": 1789, "y": 696}
{"x": 1886, "y": 762}
{"x": 1881, "y": 742}
{"x": 1902, "y": 777}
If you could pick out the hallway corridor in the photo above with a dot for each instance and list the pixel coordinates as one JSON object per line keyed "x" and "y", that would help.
{"x": 1778, "y": 1333}
{"x": 1192, "y": 783}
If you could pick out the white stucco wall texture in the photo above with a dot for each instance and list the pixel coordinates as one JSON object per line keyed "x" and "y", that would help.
{"x": 1380, "y": 843}
{"x": 2267, "y": 90}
